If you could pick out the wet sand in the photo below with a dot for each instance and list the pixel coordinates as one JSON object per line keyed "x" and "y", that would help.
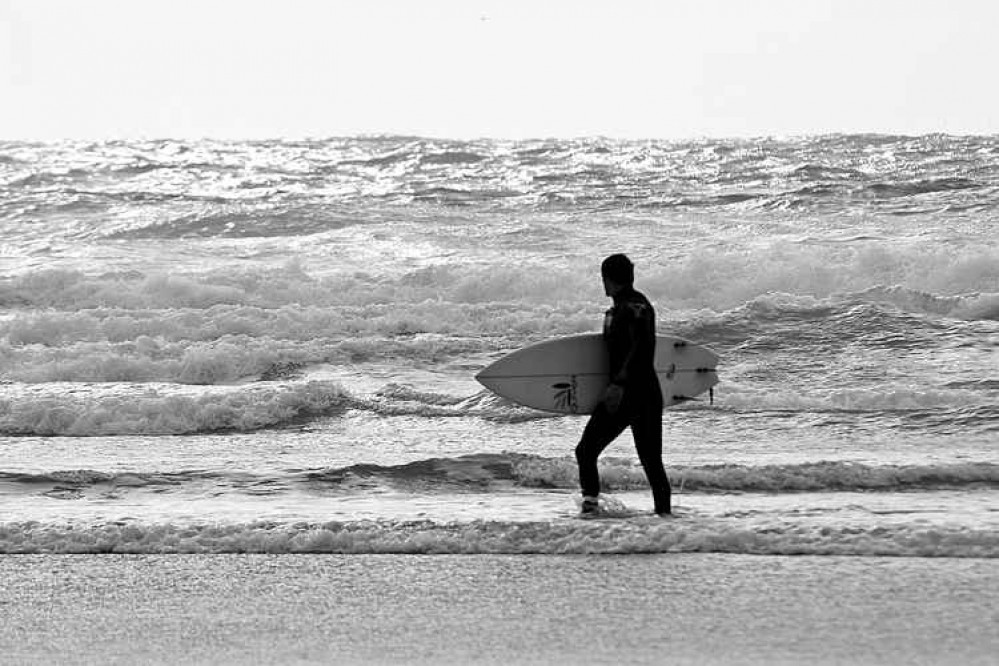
{"x": 678, "y": 609}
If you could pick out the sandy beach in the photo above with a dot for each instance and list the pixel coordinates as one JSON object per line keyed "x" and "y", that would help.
{"x": 679, "y": 609}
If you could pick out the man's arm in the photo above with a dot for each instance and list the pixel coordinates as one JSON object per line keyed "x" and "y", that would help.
{"x": 635, "y": 316}
{"x": 615, "y": 391}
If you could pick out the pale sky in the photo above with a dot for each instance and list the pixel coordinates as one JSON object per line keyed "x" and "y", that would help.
{"x": 98, "y": 69}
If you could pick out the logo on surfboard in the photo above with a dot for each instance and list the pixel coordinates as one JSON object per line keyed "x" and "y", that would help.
{"x": 565, "y": 396}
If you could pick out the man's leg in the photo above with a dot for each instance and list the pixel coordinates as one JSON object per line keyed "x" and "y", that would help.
{"x": 647, "y": 428}
{"x": 601, "y": 430}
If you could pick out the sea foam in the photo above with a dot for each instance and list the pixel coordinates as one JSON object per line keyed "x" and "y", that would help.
{"x": 567, "y": 536}
{"x": 955, "y": 282}
{"x": 161, "y": 410}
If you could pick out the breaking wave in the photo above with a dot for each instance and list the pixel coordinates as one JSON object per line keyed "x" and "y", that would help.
{"x": 163, "y": 410}
{"x": 639, "y": 535}
{"x": 487, "y": 472}
{"x": 918, "y": 279}
{"x": 822, "y": 476}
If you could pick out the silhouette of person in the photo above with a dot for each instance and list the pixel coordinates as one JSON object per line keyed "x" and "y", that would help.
{"x": 634, "y": 397}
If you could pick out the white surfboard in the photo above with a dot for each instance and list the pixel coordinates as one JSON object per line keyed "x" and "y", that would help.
{"x": 569, "y": 375}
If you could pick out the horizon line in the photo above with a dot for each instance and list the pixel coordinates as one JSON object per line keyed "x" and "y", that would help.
{"x": 693, "y": 138}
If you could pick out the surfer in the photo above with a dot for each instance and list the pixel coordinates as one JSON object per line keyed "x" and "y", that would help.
{"x": 634, "y": 397}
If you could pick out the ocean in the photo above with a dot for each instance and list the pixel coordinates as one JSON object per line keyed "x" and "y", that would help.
{"x": 266, "y": 349}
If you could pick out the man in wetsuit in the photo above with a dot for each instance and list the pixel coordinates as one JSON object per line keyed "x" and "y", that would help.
{"x": 634, "y": 397}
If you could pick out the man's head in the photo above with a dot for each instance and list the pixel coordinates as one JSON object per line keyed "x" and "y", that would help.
{"x": 618, "y": 273}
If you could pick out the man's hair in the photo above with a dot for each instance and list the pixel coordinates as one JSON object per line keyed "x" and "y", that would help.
{"x": 618, "y": 268}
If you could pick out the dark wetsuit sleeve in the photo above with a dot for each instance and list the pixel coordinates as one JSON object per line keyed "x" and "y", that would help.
{"x": 634, "y": 342}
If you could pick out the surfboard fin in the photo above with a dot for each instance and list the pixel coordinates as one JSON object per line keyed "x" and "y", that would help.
{"x": 687, "y": 398}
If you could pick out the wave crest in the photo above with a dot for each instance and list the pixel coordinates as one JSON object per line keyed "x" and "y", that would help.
{"x": 156, "y": 411}
{"x": 638, "y": 535}
{"x": 914, "y": 278}
{"x": 492, "y": 472}
{"x": 484, "y": 472}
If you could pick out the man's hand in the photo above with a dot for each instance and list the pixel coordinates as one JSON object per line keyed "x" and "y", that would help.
{"x": 612, "y": 398}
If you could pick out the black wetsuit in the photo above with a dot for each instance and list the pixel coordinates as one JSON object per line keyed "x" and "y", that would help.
{"x": 630, "y": 334}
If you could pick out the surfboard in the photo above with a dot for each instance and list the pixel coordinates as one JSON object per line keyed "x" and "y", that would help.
{"x": 569, "y": 375}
